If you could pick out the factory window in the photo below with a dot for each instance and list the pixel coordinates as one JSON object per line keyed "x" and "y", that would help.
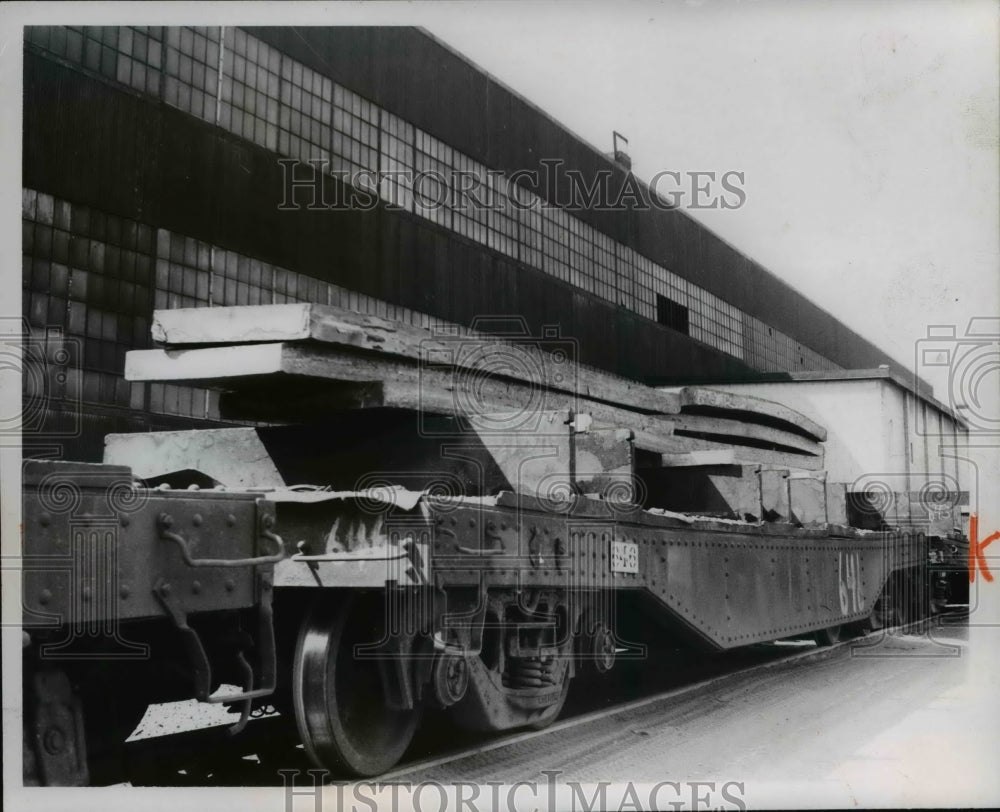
{"x": 432, "y": 191}
{"x": 555, "y": 242}
{"x": 100, "y": 46}
{"x": 250, "y": 97}
{"x": 671, "y": 314}
{"x": 502, "y": 220}
{"x": 183, "y": 272}
{"x": 191, "y": 76}
{"x": 131, "y": 55}
{"x": 472, "y": 198}
{"x": 604, "y": 267}
{"x": 87, "y": 274}
{"x": 715, "y": 322}
{"x": 304, "y": 114}
{"x": 396, "y": 161}
{"x": 528, "y": 214}
{"x": 635, "y": 281}
{"x": 770, "y": 350}
{"x": 581, "y": 255}
{"x": 141, "y": 57}
{"x": 355, "y": 133}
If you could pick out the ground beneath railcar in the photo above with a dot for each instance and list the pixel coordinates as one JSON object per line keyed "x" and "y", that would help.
{"x": 883, "y": 715}
{"x": 890, "y": 720}
{"x": 183, "y": 744}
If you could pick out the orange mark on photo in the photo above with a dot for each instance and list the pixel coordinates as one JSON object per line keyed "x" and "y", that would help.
{"x": 976, "y": 547}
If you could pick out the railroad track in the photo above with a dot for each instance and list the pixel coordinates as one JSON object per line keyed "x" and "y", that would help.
{"x": 211, "y": 757}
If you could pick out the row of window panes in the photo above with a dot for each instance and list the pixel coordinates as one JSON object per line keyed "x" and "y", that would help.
{"x": 140, "y": 58}
{"x": 50, "y": 309}
{"x": 94, "y": 47}
{"x": 773, "y": 351}
{"x": 530, "y": 236}
{"x": 432, "y": 191}
{"x": 188, "y": 401}
{"x": 503, "y": 227}
{"x": 85, "y": 271}
{"x": 181, "y": 261}
{"x": 304, "y": 113}
{"x": 606, "y": 269}
{"x": 183, "y": 266}
{"x": 471, "y": 197}
{"x": 99, "y": 301}
{"x": 81, "y": 251}
{"x": 250, "y": 99}
{"x": 191, "y": 74}
{"x": 181, "y": 278}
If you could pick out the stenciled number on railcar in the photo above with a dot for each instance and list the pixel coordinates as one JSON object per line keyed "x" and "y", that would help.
{"x": 851, "y": 599}
{"x": 624, "y": 556}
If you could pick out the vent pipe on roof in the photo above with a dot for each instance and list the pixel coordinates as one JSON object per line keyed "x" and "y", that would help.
{"x": 619, "y": 155}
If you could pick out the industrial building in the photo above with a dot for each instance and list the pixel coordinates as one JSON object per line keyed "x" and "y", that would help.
{"x": 336, "y": 517}
{"x": 153, "y": 177}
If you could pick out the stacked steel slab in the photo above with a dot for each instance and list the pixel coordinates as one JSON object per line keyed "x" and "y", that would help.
{"x": 298, "y": 362}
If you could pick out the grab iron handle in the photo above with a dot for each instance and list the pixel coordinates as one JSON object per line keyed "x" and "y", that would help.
{"x": 166, "y": 521}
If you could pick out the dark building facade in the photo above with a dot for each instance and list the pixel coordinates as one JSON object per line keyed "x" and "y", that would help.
{"x": 153, "y": 178}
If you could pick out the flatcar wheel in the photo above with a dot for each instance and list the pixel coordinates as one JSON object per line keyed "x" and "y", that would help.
{"x": 828, "y": 636}
{"x": 340, "y": 705}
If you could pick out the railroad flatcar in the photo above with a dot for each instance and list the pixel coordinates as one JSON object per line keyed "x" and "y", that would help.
{"x": 408, "y": 520}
